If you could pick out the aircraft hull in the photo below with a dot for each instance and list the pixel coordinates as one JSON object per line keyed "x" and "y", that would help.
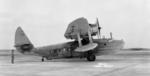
{"x": 105, "y": 46}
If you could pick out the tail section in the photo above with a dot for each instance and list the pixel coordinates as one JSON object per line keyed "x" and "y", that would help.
{"x": 22, "y": 43}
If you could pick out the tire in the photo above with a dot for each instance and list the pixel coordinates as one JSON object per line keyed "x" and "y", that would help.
{"x": 42, "y": 59}
{"x": 91, "y": 57}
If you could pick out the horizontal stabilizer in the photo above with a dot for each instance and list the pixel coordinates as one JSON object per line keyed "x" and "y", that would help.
{"x": 87, "y": 47}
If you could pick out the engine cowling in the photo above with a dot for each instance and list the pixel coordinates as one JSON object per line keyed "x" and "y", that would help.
{"x": 94, "y": 29}
{"x": 26, "y": 47}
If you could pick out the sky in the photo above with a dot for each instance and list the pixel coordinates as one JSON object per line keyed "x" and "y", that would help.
{"x": 45, "y": 21}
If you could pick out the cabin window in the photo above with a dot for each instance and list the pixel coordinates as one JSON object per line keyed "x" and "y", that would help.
{"x": 59, "y": 50}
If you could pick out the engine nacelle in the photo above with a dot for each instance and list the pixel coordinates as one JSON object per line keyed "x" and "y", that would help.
{"x": 93, "y": 29}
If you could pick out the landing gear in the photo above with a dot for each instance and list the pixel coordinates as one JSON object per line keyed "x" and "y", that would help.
{"x": 91, "y": 57}
{"x": 42, "y": 59}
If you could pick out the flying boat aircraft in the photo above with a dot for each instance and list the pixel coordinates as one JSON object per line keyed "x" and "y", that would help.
{"x": 82, "y": 46}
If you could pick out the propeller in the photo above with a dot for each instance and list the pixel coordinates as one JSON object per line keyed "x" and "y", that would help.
{"x": 99, "y": 28}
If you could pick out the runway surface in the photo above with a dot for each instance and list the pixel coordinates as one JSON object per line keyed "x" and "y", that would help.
{"x": 123, "y": 63}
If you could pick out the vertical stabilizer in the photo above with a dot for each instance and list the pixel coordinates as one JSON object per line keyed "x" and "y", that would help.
{"x": 20, "y": 37}
{"x": 22, "y": 43}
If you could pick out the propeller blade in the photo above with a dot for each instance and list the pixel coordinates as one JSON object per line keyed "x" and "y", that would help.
{"x": 97, "y": 22}
{"x": 99, "y": 28}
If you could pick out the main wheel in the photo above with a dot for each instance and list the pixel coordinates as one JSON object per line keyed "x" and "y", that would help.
{"x": 42, "y": 59}
{"x": 91, "y": 57}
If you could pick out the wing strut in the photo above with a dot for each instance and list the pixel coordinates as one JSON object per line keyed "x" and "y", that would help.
{"x": 79, "y": 39}
{"x": 88, "y": 47}
{"x": 90, "y": 37}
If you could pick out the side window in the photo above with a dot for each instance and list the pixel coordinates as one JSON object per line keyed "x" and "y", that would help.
{"x": 55, "y": 51}
{"x": 58, "y": 50}
{"x": 50, "y": 52}
{"x": 64, "y": 49}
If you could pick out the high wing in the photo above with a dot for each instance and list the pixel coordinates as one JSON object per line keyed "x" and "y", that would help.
{"x": 80, "y": 29}
{"x": 79, "y": 25}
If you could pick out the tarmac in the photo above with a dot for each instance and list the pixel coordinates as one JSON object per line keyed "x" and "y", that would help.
{"x": 123, "y": 63}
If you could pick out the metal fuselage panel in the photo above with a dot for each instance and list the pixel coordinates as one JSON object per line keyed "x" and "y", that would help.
{"x": 105, "y": 46}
